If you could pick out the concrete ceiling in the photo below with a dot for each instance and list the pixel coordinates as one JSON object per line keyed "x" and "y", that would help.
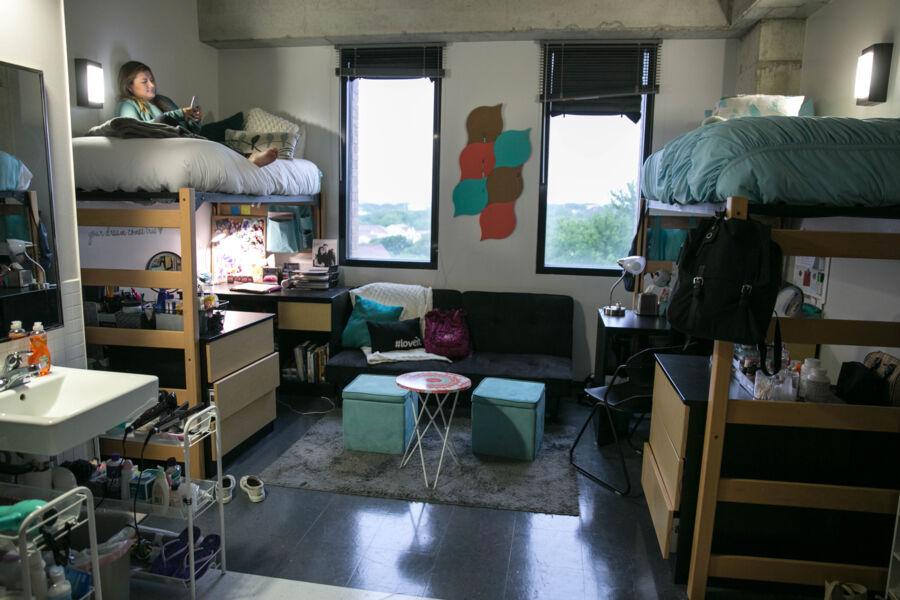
{"x": 265, "y": 23}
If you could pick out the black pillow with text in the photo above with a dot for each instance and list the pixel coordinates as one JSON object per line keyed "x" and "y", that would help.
{"x": 395, "y": 335}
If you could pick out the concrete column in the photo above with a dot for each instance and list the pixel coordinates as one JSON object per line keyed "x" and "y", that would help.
{"x": 770, "y": 58}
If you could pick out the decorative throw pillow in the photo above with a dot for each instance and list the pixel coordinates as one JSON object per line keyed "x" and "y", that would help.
{"x": 247, "y": 142}
{"x": 261, "y": 121}
{"x": 760, "y": 105}
{"x": 397, "y": 335}
{"x": 356, "y": 333}
{"x": 216, "y": 131}
{"x": 447, "y": 333}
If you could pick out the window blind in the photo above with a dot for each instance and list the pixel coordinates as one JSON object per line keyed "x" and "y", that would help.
{"x": 391, "y": 62}
{"x": 599, "y": 78}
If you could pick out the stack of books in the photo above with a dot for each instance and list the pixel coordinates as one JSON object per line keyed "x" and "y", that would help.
{"x": 316, "y": 278}
{"x": 311, "y": 358}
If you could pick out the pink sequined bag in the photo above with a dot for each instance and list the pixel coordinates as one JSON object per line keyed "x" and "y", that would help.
{"x": 447, "y": 333}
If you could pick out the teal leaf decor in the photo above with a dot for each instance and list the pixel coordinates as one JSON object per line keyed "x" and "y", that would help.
{"x": 470, "y": 197}
{"x": 512, "y": 148}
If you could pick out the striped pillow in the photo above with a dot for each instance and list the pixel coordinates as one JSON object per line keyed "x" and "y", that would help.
{"x": 248, "y": 142}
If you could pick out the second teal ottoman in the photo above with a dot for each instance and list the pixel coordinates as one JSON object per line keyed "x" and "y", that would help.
{"x": 508, "y": 418}
{"x": 378, "y": 415}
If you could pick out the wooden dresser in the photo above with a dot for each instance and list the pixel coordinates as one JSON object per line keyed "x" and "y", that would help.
{"x": 240, "y": 373}
{"x": 670, "y": 478}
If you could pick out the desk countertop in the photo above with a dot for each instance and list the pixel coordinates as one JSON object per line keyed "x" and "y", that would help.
{"x": 689, "y": 375}
{"x": 285, "y": 295}
{"x": 236, "y": 320}
{"x": 635, "y": 322}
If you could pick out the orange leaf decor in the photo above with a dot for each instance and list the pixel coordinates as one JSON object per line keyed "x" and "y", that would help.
{"x": 476, "y": 161}
{"x": 498, "y": 221}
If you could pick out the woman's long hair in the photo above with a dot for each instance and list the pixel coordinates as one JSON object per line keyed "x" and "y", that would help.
{"x": 127, "y": 73}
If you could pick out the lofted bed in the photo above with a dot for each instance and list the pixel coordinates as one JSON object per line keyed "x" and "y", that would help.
{"x": 161, "y": 183}
{"x": 780, "y": 169}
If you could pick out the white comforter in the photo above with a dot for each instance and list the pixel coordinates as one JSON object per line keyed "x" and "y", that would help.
{"x": 153, "y": 165}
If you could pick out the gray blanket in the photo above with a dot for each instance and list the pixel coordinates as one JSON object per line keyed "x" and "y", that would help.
{"x": 125, "y": 127}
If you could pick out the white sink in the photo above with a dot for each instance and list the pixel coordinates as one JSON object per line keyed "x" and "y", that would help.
{"x": 67, "y": 407}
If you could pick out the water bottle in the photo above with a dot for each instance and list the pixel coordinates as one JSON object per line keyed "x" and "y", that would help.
{"x": 60, "y": 588}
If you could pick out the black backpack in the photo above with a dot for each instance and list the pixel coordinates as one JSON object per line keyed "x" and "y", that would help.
{"x": 729, "y": 275}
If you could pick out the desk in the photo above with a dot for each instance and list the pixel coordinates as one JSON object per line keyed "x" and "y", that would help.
{"x": 670, "y": 478}
{"x": 300, "y": 315}
{"x": 628, "y": 324}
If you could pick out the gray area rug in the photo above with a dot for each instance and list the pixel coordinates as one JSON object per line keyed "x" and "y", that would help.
{"x": 317, "y": 461}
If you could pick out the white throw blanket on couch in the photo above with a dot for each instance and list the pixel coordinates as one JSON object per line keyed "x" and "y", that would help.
{"x": 416, "y": 301}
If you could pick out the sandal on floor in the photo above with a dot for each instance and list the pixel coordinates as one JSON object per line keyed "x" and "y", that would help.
{"x": 227, "y": 488}
{"x": 255, "y": 488}
{"x": 172, "y": 552}
{"x": 204, "y": 553}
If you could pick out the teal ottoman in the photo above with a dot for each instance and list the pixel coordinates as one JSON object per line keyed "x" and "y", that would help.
{"x": 508, "y": 418}
{"x": 378, "y": 415}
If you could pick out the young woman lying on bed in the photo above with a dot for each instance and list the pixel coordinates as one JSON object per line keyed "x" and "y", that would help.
{"x": 138, "y": 100}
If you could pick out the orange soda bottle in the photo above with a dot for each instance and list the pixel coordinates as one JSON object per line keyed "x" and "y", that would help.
{"x": 40, "y": 350}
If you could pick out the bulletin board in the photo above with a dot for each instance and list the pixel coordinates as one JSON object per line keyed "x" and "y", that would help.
{"x": 238, "y": 247}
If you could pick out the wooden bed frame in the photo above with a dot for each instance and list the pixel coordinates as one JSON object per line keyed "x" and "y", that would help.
{"x": 714, "y": 488}
{"x": 178, "y": 215}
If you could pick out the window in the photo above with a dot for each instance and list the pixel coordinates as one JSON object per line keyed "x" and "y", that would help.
{"x": 390, "y": 127}
{"x": 597, "y": 117}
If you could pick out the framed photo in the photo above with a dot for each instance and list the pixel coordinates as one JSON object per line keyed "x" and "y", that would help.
{"x": 325, "y": 253}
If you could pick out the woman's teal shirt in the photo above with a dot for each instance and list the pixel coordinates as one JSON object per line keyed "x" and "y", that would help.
{"x": 129, "y": 108}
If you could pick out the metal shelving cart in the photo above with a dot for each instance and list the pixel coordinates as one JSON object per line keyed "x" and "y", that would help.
{"x": 60, "y": 515}
{"x": 197, "y": 428}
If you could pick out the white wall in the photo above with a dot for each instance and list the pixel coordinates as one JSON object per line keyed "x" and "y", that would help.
{"x": 835, "y": 35}
{"x": 32, "y": 34}
{"x": 300, "y": 82}
{"x": 161, "y": 34}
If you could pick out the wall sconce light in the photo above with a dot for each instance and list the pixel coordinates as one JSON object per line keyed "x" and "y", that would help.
{"x": 873, "y": 69}
{"x": 89, "y": 88}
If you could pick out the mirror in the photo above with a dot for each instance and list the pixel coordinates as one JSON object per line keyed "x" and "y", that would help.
{"x": 29, "y": 273}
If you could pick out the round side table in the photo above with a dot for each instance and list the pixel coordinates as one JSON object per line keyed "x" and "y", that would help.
{"x": 439, "y": 387}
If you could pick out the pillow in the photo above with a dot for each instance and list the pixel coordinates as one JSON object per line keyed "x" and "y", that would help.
{"x": 261, "y": 121}
{"x": 247, "y": 142}
{"x": 356, "y": 333}
{"x": 447, "y": 333}
{"x": 759, "y": 105}
{"x": 396, "y": 335}
{"x": 216, "y": 131}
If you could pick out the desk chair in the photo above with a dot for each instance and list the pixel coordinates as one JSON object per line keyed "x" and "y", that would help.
{"x": 633, "y": 394}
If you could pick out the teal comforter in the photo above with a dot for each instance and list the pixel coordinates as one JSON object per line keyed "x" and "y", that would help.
{"x": 794, "y": 160}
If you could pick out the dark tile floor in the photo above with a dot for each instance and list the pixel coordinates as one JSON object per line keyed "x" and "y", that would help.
{"x": 443, "y": 551}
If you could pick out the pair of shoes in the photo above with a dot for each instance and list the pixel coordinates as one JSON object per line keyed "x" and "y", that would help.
{"x": 227, "y": 489}
{"x": 255, "y": 488}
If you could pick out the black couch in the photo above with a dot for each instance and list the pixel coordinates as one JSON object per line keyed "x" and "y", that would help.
{"x": 514, "y": 335}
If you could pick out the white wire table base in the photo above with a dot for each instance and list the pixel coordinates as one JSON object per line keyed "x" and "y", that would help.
{"x": 416, "y": 442}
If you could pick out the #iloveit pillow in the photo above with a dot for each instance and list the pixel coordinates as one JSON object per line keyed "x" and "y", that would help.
{"x": 356, "y": 333}
{"x": 216, "y": 131}
{"x": 396, "y": 335}
{"x": 248, "y": 142}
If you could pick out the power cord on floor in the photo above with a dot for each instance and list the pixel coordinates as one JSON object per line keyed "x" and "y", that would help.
{"x": 312, "y": 412}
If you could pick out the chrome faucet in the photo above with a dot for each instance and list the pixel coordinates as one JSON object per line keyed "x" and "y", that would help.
{"x": 13, "y": 373}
